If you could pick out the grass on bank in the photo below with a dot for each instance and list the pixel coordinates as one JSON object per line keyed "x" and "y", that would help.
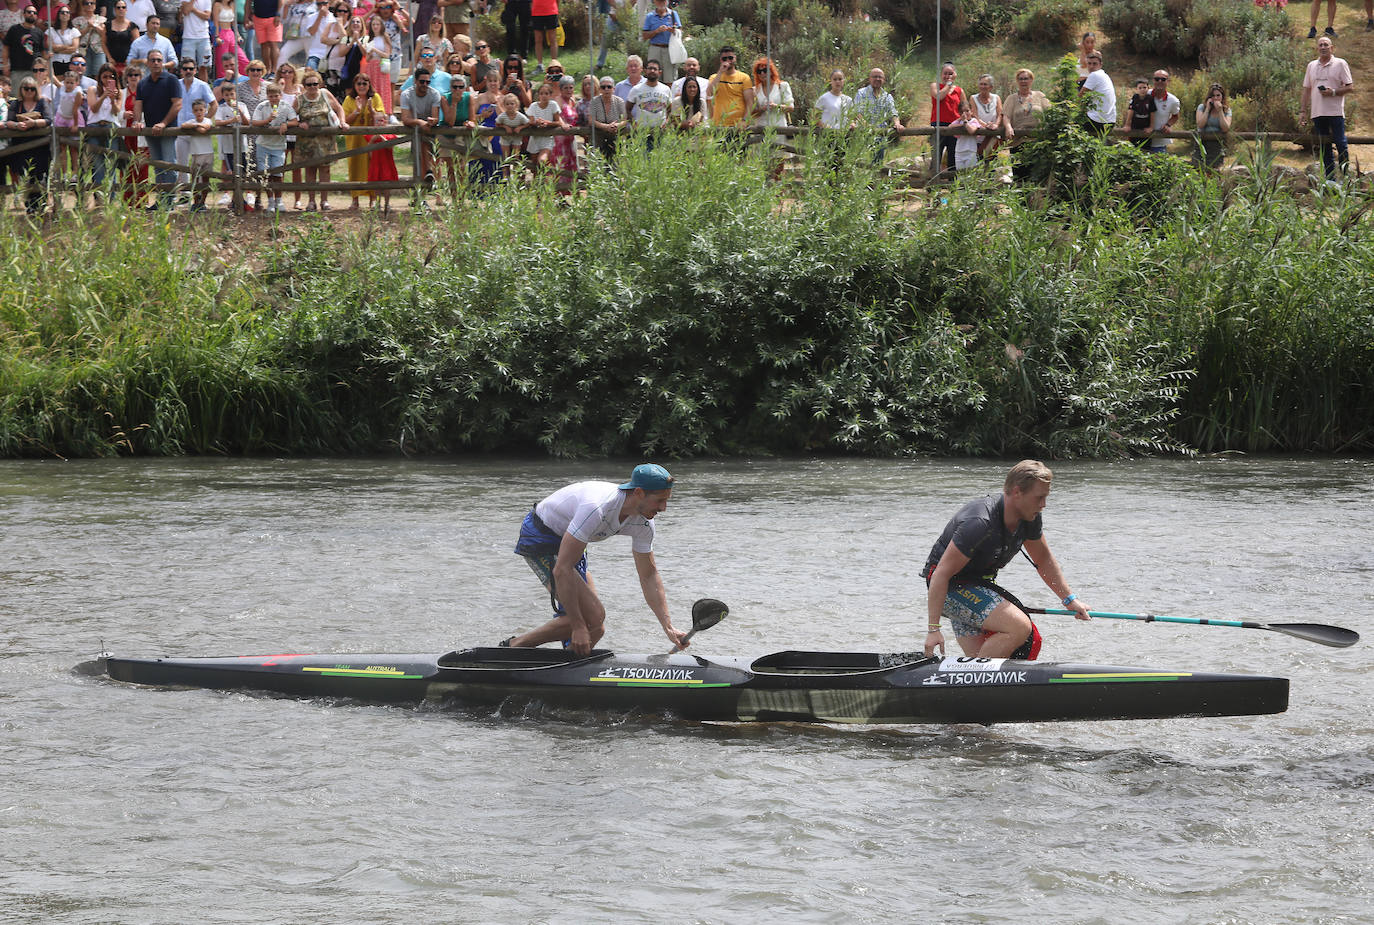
{"x": 706, "y": 311}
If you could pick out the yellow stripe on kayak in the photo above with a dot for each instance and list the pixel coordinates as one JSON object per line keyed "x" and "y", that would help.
{"x": 1122, "y": 676}
{"x": 365, "y": 673}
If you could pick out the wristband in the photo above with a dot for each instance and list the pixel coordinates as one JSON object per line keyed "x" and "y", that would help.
{"x": 1069, "y": 600}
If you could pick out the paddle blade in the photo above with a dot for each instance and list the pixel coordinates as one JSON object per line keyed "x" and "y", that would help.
{"x": 1336, "y": 636}
{"x": 707, "y": 612}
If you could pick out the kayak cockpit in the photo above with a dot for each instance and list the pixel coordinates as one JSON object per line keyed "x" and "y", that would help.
{"x": 836, "y": 663}
{"x": 513, "y": 659}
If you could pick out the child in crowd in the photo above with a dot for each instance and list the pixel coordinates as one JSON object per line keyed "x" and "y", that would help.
{"x": 1142, "y": 107}
{"x": 514, "y": 121}
{"x": 69, "y": 107}
{"x": 230, "y": 112}
{"x": 966, "y": 142}
{"x": 544, "y": 113}
{"x": 273, "y": 113}
{"x": 200, "y": 147}
{"x": 381, "y": 164}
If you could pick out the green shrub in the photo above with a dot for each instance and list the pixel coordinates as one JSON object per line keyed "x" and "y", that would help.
{"x": 1146, "y": 26}
{"x": 959, "y": 19}
{"x": 1051, "y": 22}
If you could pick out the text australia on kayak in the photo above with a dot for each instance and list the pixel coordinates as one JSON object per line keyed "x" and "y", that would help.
{"x": 978, "y": 541}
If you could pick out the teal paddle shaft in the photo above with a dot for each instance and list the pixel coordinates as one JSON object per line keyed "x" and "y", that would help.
{"x": 1336, "y": 636}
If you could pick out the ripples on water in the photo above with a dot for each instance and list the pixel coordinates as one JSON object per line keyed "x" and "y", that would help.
{"x": 133, "y": 805}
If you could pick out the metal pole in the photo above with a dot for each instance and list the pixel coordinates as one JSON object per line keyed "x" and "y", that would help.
{"x": 939, "y": 66}
{"x": 591, "y": 43}
{"x": 239, "y": 152}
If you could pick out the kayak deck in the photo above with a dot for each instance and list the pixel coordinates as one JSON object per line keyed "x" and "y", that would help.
{"x": 834, "y": 687}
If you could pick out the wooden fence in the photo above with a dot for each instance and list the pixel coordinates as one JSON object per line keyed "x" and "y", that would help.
{"x": 463, "y": 142}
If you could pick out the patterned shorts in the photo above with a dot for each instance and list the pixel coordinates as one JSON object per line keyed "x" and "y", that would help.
{"x": 967, "y": 606}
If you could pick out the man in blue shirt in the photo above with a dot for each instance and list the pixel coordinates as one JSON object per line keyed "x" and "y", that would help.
{"x": 192, "y": 89}
{"x": 150, "y": 40}
{"x": 659, "y": 24}
{"x": 156, "y": 105}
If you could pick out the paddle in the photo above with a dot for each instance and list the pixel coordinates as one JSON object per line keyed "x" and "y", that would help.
{"x": 706, "y": 613}
{"x": 1336, "y": 636}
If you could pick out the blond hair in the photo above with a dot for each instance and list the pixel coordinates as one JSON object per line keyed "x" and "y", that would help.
{"x": 1026, "y": 472}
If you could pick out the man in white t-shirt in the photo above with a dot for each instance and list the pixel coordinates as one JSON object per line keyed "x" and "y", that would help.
{"x": 691, "y": 70}
{"x": 1101, "y": 94}
{"x": 554, "y": 539}
{"x": 1167, "y": 108}
{"x": 650, "y": 99}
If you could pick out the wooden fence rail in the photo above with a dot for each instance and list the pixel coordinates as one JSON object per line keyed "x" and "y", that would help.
{"x": 467, "y": 143}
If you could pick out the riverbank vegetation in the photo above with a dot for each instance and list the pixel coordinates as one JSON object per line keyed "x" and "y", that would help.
{"x": 710, "y": 311}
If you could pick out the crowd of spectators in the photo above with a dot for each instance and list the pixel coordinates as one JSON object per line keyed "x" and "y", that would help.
{"x": 322, "y": 63}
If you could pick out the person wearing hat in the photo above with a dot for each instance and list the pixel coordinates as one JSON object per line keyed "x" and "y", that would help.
{"x": 553, "y": 541}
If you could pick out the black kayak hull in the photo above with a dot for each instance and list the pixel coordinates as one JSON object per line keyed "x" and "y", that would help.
{"x": 829, "y": 687}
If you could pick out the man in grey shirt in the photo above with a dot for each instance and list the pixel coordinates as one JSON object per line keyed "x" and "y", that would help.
{"x": 422, "y": 106}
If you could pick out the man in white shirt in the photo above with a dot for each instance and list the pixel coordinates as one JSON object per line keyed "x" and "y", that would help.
{"x": 651, "y": 99}
{"x": 1101, "y": 94}
{"x": 1325, "y": 86}
{"x": 691, "y": 69}
{"x": 554, "y": 539}
{"x": 1167, "y": 108}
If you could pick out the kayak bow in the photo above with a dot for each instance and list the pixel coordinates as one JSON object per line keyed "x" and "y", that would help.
{"x": 830, "y": 687}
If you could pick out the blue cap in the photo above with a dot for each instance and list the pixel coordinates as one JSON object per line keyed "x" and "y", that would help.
{"x": 650, "y": 477}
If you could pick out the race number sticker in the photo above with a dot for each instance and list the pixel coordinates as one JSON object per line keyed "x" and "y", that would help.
{"x": 955, "y": 672}
{"x": 971, "y": 663}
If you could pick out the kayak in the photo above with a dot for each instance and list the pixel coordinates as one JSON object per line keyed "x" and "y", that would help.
{"x": 823, "y": 687}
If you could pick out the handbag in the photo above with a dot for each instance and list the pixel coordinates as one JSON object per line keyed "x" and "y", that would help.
{"x": 677, "y": 51}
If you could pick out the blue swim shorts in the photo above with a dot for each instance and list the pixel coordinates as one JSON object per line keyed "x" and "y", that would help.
{"x": 967, "y": 606}
{"x": 538, "y": 545}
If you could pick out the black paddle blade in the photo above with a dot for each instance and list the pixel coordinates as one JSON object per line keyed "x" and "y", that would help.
{"x": 1336, "y": 636}
{"x": 707, "y": 612}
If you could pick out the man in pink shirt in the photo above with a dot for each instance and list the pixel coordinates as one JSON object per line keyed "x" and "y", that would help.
{"x": 1324, "y": 88}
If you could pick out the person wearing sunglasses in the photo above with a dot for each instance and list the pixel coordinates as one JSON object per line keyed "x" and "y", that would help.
{"x": 730, "y": 91}
{"x": 91, "y": 25}
{"x": 192, "y": 89}
{"x": 24, "y": 42}
{"x": 316, "y": 108}
{"x": 28, "y": 112}
{"x": 120, "y": 33}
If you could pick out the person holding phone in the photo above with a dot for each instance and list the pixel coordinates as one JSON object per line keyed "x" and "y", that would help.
{"x": 1324, "y": 88}
{"x": 1213, "y": 122}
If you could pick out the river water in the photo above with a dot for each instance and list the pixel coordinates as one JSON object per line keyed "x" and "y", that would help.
{"x": 128, "y": 804}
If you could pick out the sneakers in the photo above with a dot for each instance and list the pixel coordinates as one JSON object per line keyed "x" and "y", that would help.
{"x": 1312, "y": 33}
{"x": 1329, "y": 31}
{"x": 1369, "y": 25}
